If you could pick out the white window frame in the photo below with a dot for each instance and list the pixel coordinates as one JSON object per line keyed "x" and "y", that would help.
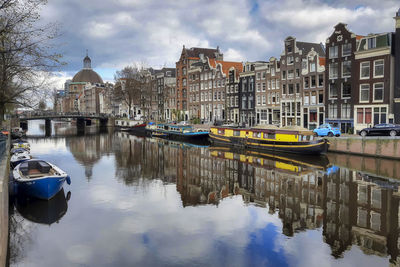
{"x": 369, "y": 88}
{"x": 369, "y": 70}
{"x": 383, "y": 66}
{"x": 349, "y": 75}
{"x": 343, "y": 55}
{"x": 334, "y": 48}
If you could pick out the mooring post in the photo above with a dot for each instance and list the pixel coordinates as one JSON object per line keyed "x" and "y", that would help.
{"x": 80, "y": 125}
{"x": 24, "y": 125}
{"x": 47, "y": 127}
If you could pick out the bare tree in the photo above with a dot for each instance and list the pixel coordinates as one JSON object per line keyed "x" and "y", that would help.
{"x": 25, "y": 53}
{"x": 128, "y": 85}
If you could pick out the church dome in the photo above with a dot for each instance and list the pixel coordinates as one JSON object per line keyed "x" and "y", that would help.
{"x": 87, "y": 74}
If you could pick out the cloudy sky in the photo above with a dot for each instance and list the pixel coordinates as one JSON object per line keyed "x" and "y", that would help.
{"x": 118, "y": 33}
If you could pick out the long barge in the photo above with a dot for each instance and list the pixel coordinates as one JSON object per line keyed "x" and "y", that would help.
{"x": 279, "y": 140}
{"x": 177, "y": 132}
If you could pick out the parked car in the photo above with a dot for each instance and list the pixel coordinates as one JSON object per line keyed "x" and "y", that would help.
{"x": 383, "y": 129}
{"x": 327, "y": 130}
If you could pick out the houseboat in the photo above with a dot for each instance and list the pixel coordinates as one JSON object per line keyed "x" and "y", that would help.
{"x": 177, "y": 132}
{"x": 273, "y": 139}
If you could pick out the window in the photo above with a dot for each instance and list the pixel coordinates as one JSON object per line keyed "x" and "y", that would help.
{"x": 236, "y": 101}
{"x": 333, "y": 52}
{"x": 269, "y": 84}
{"x": 378, "y": 91}
{"x": 258, "y": 100}
{"x": 273, "y": 84}
{"x": 263, "y": 100}
{"x": 332, "y": 109}
{"x": 297, "y": 88}
{"x": 264, "y": 115}
{"x": 346, "y": 69}
{"x": 236, "y": 88}
{"x": 290, "y": 89}
{"x": 283, "y": 75}
{"x": 290, "y": 60}
{"x": 371, "y": 42}
{"x": 244, "y": 102}
{"x": 364, "y": 71}
{"x": 277, "y": 84}
{"x": 290, "y": 74}
{"x": 346, "y": 90}
{"x": 320, "y": 80}
{"x": 273, "y": 98}
{"x": 284, "y": 89}
{"x": 364, "y": 92}
{"x": 269, "y": 98}
{"x": 333, "y": 70}
{"x": 258, "y": 87}
{"x": 346, "y": 50}
{"x": 297, "y": 73}
{"x": 306, "y": 99}
{"x": 313, "y": 98}
{"x": 378, "y": 68}
{"x": 364, "y": 115}
{"x": 312, "y": 66}
{"x": 320, "y": 97}
{"x": 263, "y": 87}
{"x": 272, "y": 72}
{"x": 306, "y": 82}
{"x": 263, "y": 75}
{"x": 313, "y": 82}
{"x": 332, "y": 91}
{"x": 289, "y": 48}
{"x": 304, "y": 64}
{"x": 380, "y": 115}
{"x": 258, "y": 75}
{"x": 346, "y": 109}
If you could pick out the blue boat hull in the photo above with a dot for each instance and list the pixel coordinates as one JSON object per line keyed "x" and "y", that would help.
{"x": 44, "y": 188}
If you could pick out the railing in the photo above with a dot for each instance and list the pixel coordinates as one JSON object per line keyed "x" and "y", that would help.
{"x": 61, "y": 114}
{"x": 3, "y": 145}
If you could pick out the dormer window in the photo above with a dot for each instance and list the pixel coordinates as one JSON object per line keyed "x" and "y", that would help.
{"x": 371, "y": 43}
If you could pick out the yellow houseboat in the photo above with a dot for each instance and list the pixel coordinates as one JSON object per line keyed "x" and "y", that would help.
{"x": 279, "y": 140}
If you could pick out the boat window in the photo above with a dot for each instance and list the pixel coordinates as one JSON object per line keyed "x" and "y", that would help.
{"x": 236, "y": 133}
{"x": 257, "y": 134}
{"x": 269, "y": 135}
{"x": 221, "y": 131}
{"x": 311, "y": 137}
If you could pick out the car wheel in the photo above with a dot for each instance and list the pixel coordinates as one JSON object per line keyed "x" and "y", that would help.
{"x": 330, "y": 134}
{"x": 393, "y": 133}
{"x": 363, "y": 133}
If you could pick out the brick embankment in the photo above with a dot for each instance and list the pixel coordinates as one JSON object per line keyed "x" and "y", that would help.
{"x": 4, "y": 179}
{"x": 385, "y": 146}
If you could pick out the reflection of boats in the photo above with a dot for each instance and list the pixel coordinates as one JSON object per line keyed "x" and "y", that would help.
{"x": 279, "y": 140}
{"x": 176, "y": 132}
{"x": 43, "y": 211}
{"x": 273, "y": 160}
{"x": 38, "y": 178}
{"x": 20, "y": 155}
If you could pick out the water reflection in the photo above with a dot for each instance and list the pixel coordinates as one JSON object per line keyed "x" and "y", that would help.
{"x": 43, "y": 211}
{"x": 144, "y": 201}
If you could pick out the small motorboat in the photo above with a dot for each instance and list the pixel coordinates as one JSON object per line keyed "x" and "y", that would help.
{"x": 19, "y": 143}
{"x": 18, "y": 150}
{"x": 19, "y": 156}
{"x": 39, "y": 178}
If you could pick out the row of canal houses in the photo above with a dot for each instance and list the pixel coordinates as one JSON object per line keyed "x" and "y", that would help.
{"x": 352, "y": 82}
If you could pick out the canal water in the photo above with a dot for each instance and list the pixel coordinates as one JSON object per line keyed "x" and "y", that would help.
{"x": 137, "y": 201}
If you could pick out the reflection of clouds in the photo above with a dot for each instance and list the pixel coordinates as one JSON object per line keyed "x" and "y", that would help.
{"x": 44, "y": 146}
{"x": 308, "y": 249}
{"x": 179, "y": 235}
{"x": 79, "y": 254}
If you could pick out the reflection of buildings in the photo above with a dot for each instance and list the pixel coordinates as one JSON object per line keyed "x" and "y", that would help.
{"x": 352, "y": 208}
{"x": 88, "y": 150}
{"x": 361, "y": 210}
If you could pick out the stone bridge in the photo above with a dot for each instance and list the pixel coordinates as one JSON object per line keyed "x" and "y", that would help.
{"x": 82, "y": 119}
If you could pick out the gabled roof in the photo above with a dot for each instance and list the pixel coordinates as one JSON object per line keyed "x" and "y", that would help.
{"x": 306, "y": 47}
{"x": 226, "y": 65}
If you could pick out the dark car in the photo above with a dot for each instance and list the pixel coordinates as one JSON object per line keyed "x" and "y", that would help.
{"x": 381, "y": 130}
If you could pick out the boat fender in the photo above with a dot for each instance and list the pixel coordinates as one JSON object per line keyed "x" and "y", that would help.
{"x": 68, "y": 180}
